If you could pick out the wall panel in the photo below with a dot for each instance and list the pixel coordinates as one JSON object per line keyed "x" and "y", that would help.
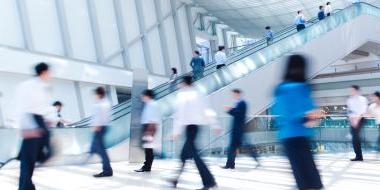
{"x": 10, "y": 30}
{"x": 156, "y": 52}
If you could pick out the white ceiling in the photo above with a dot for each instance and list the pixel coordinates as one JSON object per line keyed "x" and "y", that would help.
{"x": 249, "y": 17}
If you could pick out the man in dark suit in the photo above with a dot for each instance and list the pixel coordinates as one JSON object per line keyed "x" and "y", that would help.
{"x": 238, "y": 114}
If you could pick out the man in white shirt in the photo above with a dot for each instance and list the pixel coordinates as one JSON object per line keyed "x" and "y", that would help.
{"x": 220, "y": 58}
{"x": 34, "y": 101}
{"x": 192, "y": 112}
{"x": 357, "y": 107}
{"x": 101, "y": 117}
{"x": 328, "y": 9}
{"x": 150, "y": 119}
{"x": 374, "y": 111}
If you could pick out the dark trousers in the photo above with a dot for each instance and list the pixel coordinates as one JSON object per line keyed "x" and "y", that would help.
{"x": 148, "y": 130}
{"x": 149, "y": 157}
{"x": 28, "y": 156}
{"x": 298, "y": 151}
{"x": 356, "y": 142}
{"x": 220, "y": 66}
{"x": 32, "y": 151}
{"x": 189, "y": 151}
{"x": 234, "y": 146}
{"x": 197, "y": 74}
{"x": 97, "y": 147}
{"x": 300, "y": 27}
{"x": 328, "y": 14}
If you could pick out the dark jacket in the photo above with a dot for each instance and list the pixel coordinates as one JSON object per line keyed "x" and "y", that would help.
{"x": 197, "y": 63}
{"x": 238, "y": 121}
{"x": 321, "y": 15}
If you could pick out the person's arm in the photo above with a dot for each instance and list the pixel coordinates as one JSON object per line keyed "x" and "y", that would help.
{"x": 203, "y": 63}
{"x": 192, "y": 63}
{"x": 238, "y": 110}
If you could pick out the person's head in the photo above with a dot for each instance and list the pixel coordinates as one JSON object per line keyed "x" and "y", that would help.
{"x": 42, "y": 71}
{"x": 376, "y": 97}
{"x": 174, "y": 70}
{"x": 196, "y": 53}
{"x": 100, "y": 93}
{"x": 58, "y": 105}
{"x": 354, "y": 90}
{"x": 147, "y": 95}
{"x": 221, "y": 48}
{"x": 299, "y": 12}
{"x": 321, "y": 7}
{"x": 236, "y": 93}
{"x": 328, "y": 3}
{"x": 296, "y": 69}
{"x": 187, "y": 81}
{"x": 267, "y": 28}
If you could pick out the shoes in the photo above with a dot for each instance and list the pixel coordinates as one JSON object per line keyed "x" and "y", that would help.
{"x": 228, "y": 167}
{"x": 209, "y": 187}
{"x": 104, "y": 174}
{"x": 174, "y": 183}
{"x": 356, "y": 159}
{"x": 142, "y": 170}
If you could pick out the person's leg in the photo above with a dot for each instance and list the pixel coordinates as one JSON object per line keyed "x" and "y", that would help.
{"x": 101, "y": 150}
{"x": 231, "y": 154}
{"x": 207, "y": 178}
{"x": 308, "y": 167}
{"x": 291, "y": 150}
{"x": 186, "y": 153}
{"x": 28, "y": 156}
{"x": 356, "y": 142}
{"x": 149, "y": 157}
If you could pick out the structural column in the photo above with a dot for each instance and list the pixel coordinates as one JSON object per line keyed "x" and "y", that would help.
{"x": 122, "y": 33}
{"x": 191, "y": 27}
{"x": 25, "y": 25}
{"x": 143, "y": 32}
{"x": 65, "y": 35}
{"x": 178, "y": 33}
{"x": 163, "y": 37}
{"x": 95, "y": 31}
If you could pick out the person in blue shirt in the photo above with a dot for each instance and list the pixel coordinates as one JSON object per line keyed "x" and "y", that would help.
{"x": 321, "y": 13}
{"x": 300, "y": 21}
{"x": 268, "y": 35}
{"x": 198, "y": 65}
{"x": 296, "y": 114}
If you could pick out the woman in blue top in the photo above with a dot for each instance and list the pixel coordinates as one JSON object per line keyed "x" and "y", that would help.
{"x": 296, "y": 115}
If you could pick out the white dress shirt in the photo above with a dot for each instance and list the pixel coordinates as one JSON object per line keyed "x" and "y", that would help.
{"x": 220, "y": 58}
{"x": 357, "y": 106}
{"x": 328, "y": 9}
{"x": 33, "y": 98}
{"x": 151, "y": 113}
{"x": 374, "y": 110}
{"x": 192, "y": 109}
{"x": 101, "y": 113}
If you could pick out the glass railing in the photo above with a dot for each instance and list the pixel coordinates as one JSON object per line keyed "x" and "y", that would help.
{"x": 332, "y": 134}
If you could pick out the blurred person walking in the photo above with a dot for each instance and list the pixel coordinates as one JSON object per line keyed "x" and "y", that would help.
{"x": 328, "y": 9}
{"x": 34, "y": 98}
{"x": 374, "y": 111}
{"x": 191, "y": 113}
{"x": 220, "y": 57}
{"x": 357, "y": 106}
{"x": 238, "y": 113}
{"x": 150, "y": 119}
{"x": 295, "y": 119}
{"x": 101, "y": 117}
{"x": 173, "y": 79}
{"x": 198, "y": 65}
{"x": 268, "y": 35}
{"x": 59, "y": 121}
{"x": 321, "y": 13}
{"x": 300, "y": 21}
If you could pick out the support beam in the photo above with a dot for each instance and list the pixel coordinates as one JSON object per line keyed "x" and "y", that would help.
{"x": 191, "y": 27}
{"x": 178, "y": 33}
{"x": 163, "y": 37}
{"x": 144, "y": 39}
{"x": 78, "y": 95}
{"x": 25, "y": 25}
{"x": 122, "y": 33}
{"x": 65, "y": 35}
{"x": 95, "y": 31}
{"x": 225, "y": 40}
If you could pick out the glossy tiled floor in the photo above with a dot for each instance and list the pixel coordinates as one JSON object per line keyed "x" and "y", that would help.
{"x": 338, "y": 174}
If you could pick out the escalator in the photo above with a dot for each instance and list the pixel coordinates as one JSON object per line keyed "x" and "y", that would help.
{"x": 254, "y": 68}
